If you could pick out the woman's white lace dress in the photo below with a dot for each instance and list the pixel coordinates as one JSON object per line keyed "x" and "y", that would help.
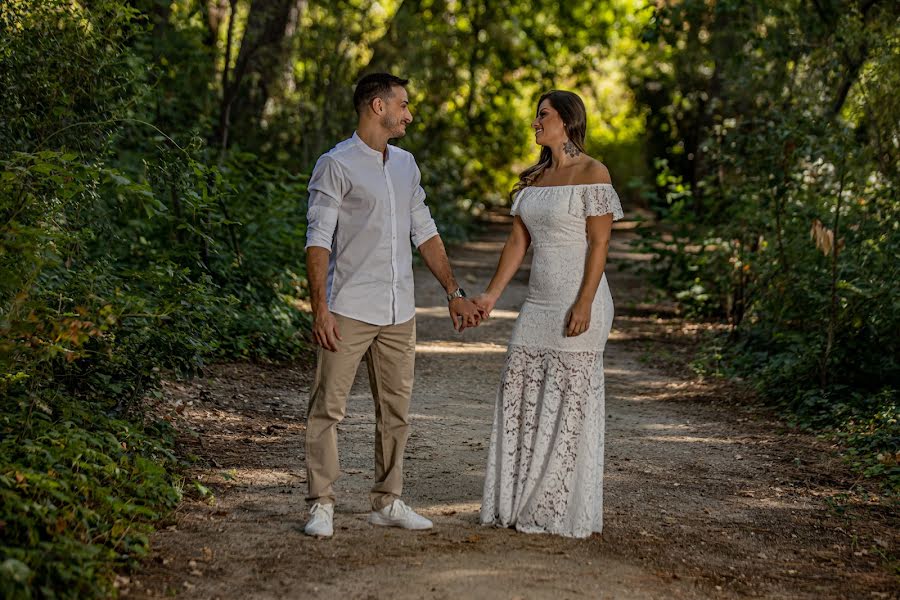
{"x": 545, "y": 465}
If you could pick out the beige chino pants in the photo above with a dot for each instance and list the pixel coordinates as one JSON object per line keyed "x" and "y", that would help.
{"x": 390, "y": 355}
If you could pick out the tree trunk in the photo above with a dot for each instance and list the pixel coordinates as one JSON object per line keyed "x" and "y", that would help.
{"x": 833, "y": 304}
{"x": 853, "y": 65}
{"x": 469, "y": 104}
{"x": 225, "y": 109}
{"x": 257, "y": 74}
{"x": 214, "y": 13}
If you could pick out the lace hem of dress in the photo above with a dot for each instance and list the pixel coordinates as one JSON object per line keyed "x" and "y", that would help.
{"x": 545, "y": 465}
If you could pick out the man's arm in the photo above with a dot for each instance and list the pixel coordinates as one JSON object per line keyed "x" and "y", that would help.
{"x": 425, "y": 237}
{"x": 325, "y": 331}
{"x": 462, "y": 311}
{"x": 325, "y": 195}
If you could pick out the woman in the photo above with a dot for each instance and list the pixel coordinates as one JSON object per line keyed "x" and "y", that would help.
{"x": 545, "y": 466}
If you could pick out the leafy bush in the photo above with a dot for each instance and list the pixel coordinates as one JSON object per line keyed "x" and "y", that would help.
{"x": 114, "y": 271}
{"x": 778, "y": 208}
{"x": 78, "y": 491}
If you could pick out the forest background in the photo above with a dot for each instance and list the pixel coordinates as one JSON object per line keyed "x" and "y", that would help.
{"x": 153, "y": 159}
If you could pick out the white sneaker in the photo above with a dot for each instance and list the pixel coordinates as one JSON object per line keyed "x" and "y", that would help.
{"x": 320, "y": 521}
{"x": 398, "y": 514}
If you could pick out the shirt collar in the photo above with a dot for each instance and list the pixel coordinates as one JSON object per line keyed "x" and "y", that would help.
{"x": 370, "y": 150}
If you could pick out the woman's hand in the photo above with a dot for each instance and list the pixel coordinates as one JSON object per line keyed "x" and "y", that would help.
{"x": 579, "y": 319}
{"x": 485, "y": 304}
{"x": 464, "y": 314}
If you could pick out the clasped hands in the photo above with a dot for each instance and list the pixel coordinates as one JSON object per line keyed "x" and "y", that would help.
{"x": 467, "y": 312}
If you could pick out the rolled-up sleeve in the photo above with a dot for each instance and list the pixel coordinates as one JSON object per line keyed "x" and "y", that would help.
{"x": 422, "y": 226}
{"x": 326, "y": 189}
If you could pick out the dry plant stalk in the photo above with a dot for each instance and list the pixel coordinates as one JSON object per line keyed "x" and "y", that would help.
{"x": 823, "y": 237}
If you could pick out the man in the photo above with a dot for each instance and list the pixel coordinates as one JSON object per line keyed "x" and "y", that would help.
{"x": 365, "y": 204}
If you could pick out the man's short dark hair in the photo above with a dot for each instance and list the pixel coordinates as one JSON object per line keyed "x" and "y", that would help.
{"x": 375, "y": 85}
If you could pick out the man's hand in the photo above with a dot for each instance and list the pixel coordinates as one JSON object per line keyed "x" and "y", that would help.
{"x": 464, "y": 314}
{"x": 325, "y": 331}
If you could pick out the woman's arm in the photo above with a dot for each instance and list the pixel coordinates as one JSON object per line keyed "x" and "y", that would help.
{"x": 599, "y": 230}
{"x": 510, "y": 260}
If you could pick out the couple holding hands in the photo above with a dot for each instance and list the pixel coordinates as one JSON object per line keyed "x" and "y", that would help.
{"x": 545, "y": 464}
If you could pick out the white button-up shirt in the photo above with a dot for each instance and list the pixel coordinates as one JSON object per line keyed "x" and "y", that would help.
{"x": 364, "y": 208}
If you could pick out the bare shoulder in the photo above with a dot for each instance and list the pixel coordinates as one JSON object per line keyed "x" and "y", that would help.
{"x": 594, "y": 171}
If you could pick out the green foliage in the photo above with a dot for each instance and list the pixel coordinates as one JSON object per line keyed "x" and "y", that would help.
{"x": 51, "y": 52}
{"x": 78, "y": 490}
{"x": 778, "y": 206}
{"x": 124, "y": 254}
{"x": 264, "y": 273}
{"x": 476, "y": 70}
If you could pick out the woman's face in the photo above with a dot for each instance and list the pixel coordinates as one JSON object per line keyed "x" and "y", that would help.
{"x": 548, "y": 126}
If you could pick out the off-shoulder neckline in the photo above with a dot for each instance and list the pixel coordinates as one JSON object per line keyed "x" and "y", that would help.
{"x": 568, "y": 185}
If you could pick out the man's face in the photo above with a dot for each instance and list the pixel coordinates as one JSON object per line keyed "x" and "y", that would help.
{"x": 396, "y": 114}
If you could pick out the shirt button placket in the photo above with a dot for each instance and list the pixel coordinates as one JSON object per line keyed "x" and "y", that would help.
{"x": 391, "y": 207}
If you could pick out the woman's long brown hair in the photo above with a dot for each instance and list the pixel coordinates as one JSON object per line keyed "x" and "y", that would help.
{"x": 574, "y": 116}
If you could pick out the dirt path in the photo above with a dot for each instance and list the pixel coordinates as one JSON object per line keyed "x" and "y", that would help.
{"x": 705, "y": 497}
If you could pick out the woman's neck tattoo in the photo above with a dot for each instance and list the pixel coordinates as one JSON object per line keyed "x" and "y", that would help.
{"x": 571, "y": 149}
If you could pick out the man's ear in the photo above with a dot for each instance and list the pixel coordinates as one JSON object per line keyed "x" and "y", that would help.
{"x": 377, "y": 105}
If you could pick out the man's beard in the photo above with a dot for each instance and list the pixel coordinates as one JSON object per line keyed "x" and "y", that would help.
{"x": 393, "y": 125}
